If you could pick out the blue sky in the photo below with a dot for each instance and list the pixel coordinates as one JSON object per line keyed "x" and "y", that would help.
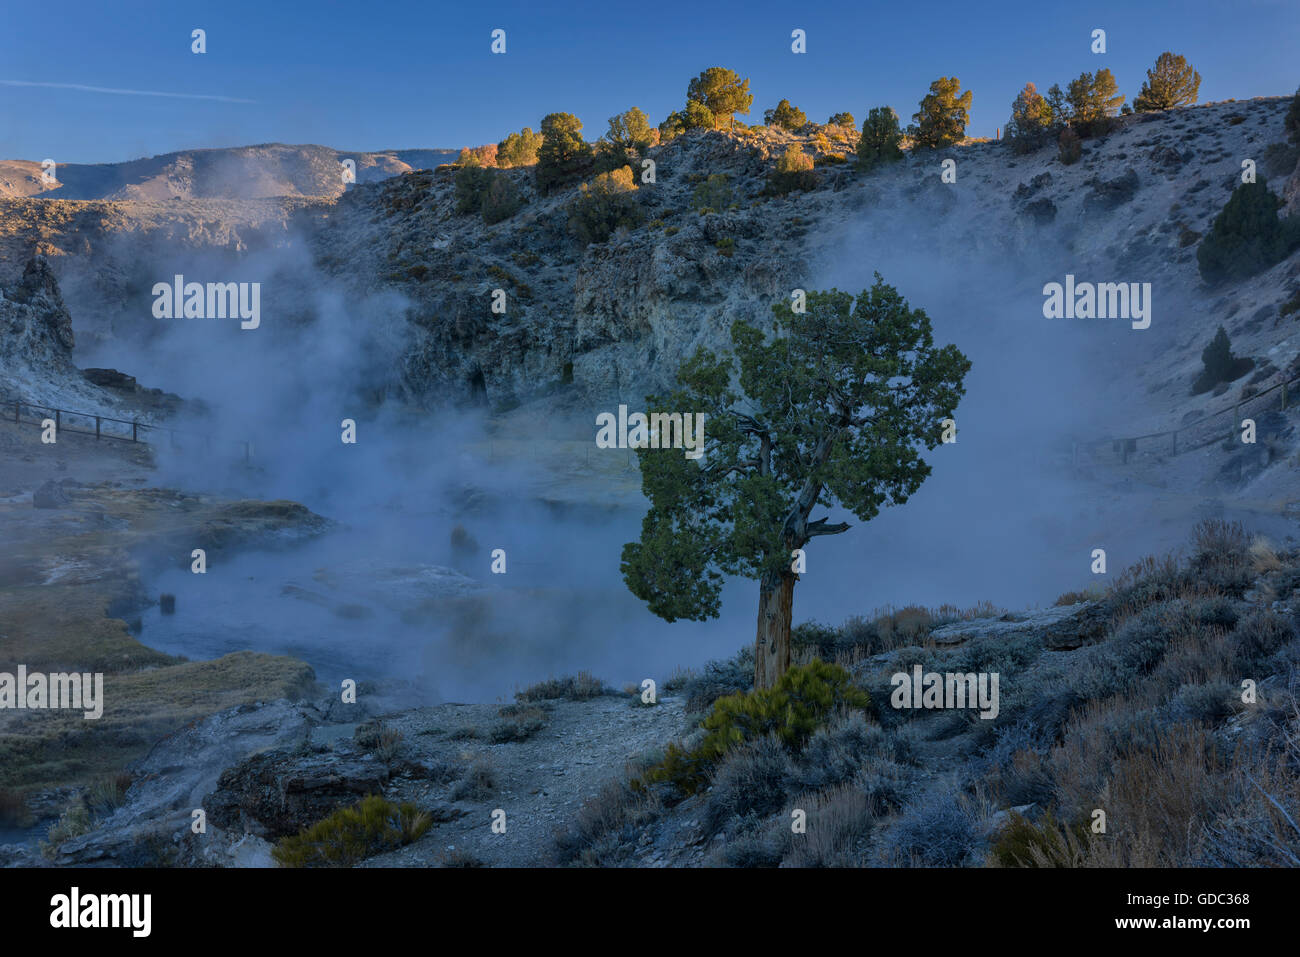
{"x": 375, "y": 75}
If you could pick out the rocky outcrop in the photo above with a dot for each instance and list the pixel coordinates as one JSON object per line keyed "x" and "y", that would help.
{"x": 1291, "y": 194}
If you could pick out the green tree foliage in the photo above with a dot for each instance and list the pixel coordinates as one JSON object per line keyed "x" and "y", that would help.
{"x": 941, "y": 120}
{"x": 1058, "y": 108}
{"x": 1030, "y": 126}
{"x": 1094, "y": 99}
{"x": 842, "y": 119}
{"x": 478, "y": 156}
{"x": 794, "y": 171}
{"x": 629, "y": 136}
{"x": 801, "y": 701}
{"x": 470, "y": 186}
{"x": 784, "y": 116}
{"x": 832, "y": 411}
{"x": 672, "y": 126}
{"x": 501, "y": 199}
{"x": 722, "y": 91}
{"x": 1171, "y": 83}
{"x": 881, "y": 140}
{"x": 607, "y": 203}
{"x": 630, "y": 131}
{"x": 1247, "y": 236}
{"x": 480, "y": 189}
{"x": 1220, "y": 364}
{"x": 564, "y": 155}
{"x": 519, "y": 149}
{"x": 714, "y": 193}
{"x": 697, "y": 116}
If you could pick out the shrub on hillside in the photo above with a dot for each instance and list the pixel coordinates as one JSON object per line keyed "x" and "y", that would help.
{"x": 519, "y": 149}
{"x": 606, "y": 204}
{"x": 1069, "y": 149}
{"x": 1247, "y": 236}
{"x": 580, "y": 687}
{"x": 564, "y": 155}
{"x": 794, "y": 171}
{"x": 351, "y": 834}
{"x": 842, "y": 119}
{"x": 800, "y": 702}
{"x": 714, "y": 193}
{"x": 784, "y": 116}
{"x": 470, "y": 186}
{"x": 881, "y": 139}
{"x": 500, "y": 200}
{"x": 1220, "y": 365}
{"x": 1292, "y": 122}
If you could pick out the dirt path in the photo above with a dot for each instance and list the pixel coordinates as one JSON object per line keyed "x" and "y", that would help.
{"x": 540, "y": 783}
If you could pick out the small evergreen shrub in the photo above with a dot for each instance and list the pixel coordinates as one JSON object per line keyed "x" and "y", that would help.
{"x": 352, "y": 834}
{"x": 1220, "y": 365}
{"x": 881, "y": 140}
{"x": 714, "y": 193}
{"x": 794, "y": 171}
{"x": 606, "y": 204}
{"x": 1247, "y": 237}
{"x": 1069, "y": 148}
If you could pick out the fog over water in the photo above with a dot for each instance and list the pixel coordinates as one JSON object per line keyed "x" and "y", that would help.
{"x": 1002, "y": 518}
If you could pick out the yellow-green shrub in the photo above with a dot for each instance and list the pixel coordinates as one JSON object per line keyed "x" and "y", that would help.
{"x": 802, "y": 700}
{"x": 351, "y": 834}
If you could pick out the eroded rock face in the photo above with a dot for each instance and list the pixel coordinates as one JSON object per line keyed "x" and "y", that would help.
{"x": 1291, "y": 194}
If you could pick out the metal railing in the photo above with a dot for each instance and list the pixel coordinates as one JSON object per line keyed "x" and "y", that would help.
{"x": 108, "y": 427}
{"x": 1197, "y": 434}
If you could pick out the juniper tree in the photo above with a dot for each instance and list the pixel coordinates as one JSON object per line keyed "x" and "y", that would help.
{"x": 785, "y": 116}
{"x": 722, "y": 91}
{"x": 881, "y": 138}
{"x": 1171, "y": 83}
{"x": 1094, "y": 98}
{"x": 564, "y": 154}
{"x": 1031, "y": 120}
{"x": 831, "y": 410}
{"x": 941, "y": 120}
{"x": 519, "y": 149}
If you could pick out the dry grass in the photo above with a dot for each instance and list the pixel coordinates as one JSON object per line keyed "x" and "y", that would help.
{"x": 1264, "y": 557}
{"x": 838, "y": 824}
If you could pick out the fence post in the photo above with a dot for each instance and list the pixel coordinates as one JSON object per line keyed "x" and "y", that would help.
{"x": 58, "y": 421}
{"x": 97, "y": 428}
{"x": 135, "y": 437}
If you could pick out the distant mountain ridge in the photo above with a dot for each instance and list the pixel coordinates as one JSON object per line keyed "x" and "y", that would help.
{"x": 243, "y": 172}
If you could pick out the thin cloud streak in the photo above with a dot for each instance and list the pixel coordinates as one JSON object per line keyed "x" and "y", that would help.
{"x": 105, "y": 89}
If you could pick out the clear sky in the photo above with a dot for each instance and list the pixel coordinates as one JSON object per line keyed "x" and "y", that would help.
{"x": 379, "y": 75}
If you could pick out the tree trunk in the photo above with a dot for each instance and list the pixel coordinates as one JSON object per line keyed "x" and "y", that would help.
{"x": 772, "y": 644}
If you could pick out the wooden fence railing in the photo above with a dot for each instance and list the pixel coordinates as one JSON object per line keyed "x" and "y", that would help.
{"x": 108, "y": 427}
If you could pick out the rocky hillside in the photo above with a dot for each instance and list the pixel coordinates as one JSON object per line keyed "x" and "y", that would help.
{"x": 624, "y": 312}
